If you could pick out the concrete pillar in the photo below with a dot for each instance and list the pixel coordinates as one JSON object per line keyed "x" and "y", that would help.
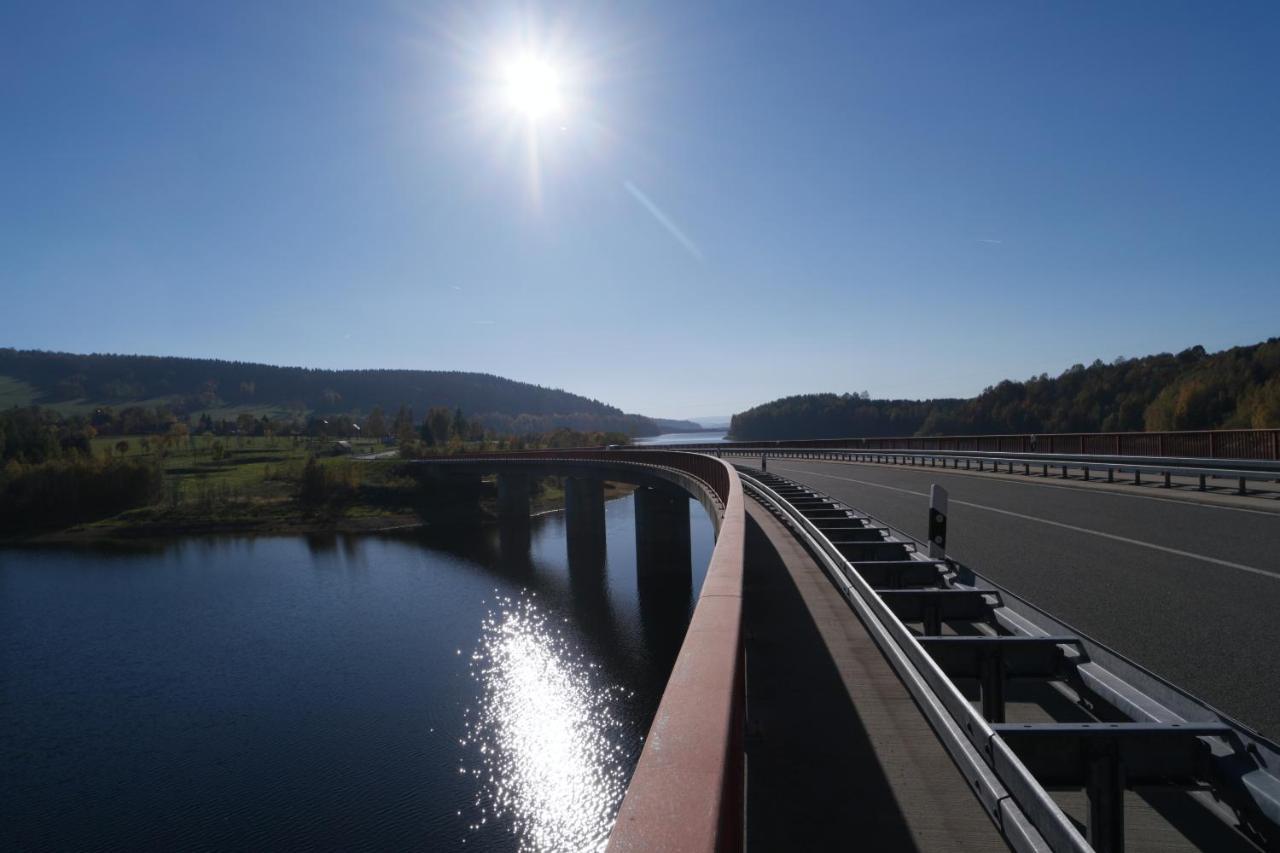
{"x": 584, "y": 515}
{"x": 662, "y": 533}
{"x": 585, "y": 540}
{"x": 513, "y": 496}
{"x": 514, "y": 527}
{"x": 664, "y": 570}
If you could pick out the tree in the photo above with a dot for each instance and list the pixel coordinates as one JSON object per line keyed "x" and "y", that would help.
{"x": 376, "y": 425}
{"x": 314, "y": 487}
{"x": 122, "y": 447}
{"x": 441, "y": 422}
{"x": 403, "y": 425}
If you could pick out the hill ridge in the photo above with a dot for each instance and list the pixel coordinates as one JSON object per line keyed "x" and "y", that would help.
{"x": 75, "y": 381}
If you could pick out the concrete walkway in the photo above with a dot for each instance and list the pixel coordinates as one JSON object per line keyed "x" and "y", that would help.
{"x": 838, "y": 755}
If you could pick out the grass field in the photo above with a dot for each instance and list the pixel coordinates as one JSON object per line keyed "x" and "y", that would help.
{"x": 14, "y": 392}
{"x": 232, "y": 484}
{"x": 251, "y": 484}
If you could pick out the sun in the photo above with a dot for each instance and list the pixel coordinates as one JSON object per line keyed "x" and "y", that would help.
{"x": 532, "y": 87}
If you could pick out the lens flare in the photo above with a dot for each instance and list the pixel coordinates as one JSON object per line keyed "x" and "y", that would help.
{"x": 532, "y": 86}
{"x": 547, "y": 744}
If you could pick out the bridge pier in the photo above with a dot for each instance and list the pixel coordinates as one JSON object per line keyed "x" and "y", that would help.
{"x": 584, "y": 519}
{"x": 514, "y": 528}
{"x": 662, "y": 534}
{"x": 513, "y": 497}
{"x": 664, "y": 569}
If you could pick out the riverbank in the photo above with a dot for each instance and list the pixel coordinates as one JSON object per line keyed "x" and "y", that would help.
{"x": 384, "y": 500}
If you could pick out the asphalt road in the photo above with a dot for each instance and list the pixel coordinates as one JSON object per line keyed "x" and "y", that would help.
{"x": 1191, "y": 591}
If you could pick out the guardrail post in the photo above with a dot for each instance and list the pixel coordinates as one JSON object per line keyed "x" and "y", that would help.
{"x": 1044, "y": 472}
{"x": 764, "y": 461}
{"x": 1243, "y": 490}
{"x": 1065, "y": 468}
{"x": 1202, "y": 482}
{"x": 1106, "y": 801}
{"x": 993, "y": 679}
{"x": 937, "y": 522}
{"x": 1137, "y": 477}
{"x": 1086, "y": 472}
{"x": 1111, "y": 475}
{"x": 1168, "y": 480}
{"x": 1026, "y": 469}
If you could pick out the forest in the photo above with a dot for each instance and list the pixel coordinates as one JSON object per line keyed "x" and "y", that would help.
{"x": 195, "y": 387}
{"x": 1237, "y": 388}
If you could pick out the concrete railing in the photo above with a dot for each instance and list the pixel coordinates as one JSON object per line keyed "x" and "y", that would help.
{"x": 687, "y": 790}
{"x": 686, "y": 794}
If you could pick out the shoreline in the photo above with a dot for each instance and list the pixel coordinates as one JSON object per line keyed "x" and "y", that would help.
{"x": 122, "y": 531}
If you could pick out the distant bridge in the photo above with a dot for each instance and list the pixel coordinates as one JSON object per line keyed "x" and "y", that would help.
{"x": 838, "y": 685}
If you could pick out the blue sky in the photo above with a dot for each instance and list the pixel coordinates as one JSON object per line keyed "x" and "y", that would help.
{"x": 736, "y": 201}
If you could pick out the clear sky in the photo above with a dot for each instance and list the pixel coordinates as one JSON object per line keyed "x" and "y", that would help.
{"x": 679, "y": 208}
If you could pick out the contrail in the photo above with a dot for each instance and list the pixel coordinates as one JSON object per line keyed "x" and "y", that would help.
{"x": 663, "y": 220}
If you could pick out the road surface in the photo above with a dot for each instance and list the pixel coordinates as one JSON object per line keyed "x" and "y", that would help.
{"x": 1191, "y": 591}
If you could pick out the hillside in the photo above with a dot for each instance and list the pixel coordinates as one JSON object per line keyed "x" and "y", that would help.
{"x": 1235, "y": 388}
{"x": 77, "y": 383}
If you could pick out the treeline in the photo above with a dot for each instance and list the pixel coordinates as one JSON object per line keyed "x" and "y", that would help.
{"x": 33, "y": 434}
{"x": 558, "y": 439}
{"x": 190, "y": 386}
{"x": 1235, "y": 388}
{"x": 49, "y": 476}
{"x": 57, "y": 471}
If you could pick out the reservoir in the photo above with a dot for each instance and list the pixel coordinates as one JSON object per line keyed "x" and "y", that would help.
{"x": 433, "y": 690}
{"x": 714, "y": 436}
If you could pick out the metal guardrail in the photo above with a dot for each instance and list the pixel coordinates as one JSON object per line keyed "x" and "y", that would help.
{"x": 1212, "y": 444}
{"x": 1108, "y": 466}
{"x": 1147, "y": 731}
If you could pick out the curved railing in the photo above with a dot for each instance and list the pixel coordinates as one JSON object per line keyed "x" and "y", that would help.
{"x": 687, "y": 790}
{"x": 686, "y": 794}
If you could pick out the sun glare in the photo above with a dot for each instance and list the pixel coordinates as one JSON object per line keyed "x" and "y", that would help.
{"x": 532, "y": 87}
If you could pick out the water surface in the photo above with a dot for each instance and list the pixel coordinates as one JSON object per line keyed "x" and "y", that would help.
{"x": 708, "y": 437}
{"x": 431, "y": 692}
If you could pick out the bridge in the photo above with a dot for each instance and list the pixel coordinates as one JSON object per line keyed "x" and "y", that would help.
{"x": 838, "y": 682}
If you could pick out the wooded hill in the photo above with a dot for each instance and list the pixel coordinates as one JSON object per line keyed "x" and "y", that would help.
{"x": 76, "y": 383}
{"x": 1235, "y": 388}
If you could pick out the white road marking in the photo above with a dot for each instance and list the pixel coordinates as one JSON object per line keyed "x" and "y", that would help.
{"x": 1227, "y": 563}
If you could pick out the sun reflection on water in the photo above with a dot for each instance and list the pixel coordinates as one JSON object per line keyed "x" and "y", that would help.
{"x": 546, "y": 743}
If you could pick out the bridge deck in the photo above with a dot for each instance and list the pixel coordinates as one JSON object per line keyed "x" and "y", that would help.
{"x": 837, "y": 752}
